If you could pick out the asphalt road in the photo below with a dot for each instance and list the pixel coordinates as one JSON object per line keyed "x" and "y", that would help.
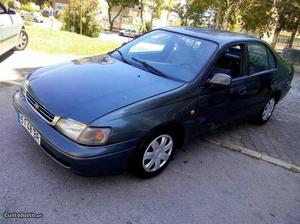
{"x": 203, "y": 184}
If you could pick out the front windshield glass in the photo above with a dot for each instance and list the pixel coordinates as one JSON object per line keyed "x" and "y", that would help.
{"x": 177, "y": 56}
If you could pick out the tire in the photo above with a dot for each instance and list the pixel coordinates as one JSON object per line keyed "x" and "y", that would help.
{"x": 266, "y": 112}
{"x": 154, "y": 154}
{"x": 23, "y": 41}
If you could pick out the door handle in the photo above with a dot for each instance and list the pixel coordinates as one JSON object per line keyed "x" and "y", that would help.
{"x": 242, "y": 91}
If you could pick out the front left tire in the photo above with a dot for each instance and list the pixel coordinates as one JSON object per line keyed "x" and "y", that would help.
{"x": 154, "y": 154}
{"x": 23, "y": 41}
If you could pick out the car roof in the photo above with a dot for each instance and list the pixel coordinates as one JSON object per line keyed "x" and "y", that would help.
{"x": 219, "y": 36}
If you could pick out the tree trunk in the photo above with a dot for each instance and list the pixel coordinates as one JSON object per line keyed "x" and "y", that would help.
{"x": 109, "y": 17}
{"x": 276, "y": 35}
{"x": 142, "y": 28}
{"x": 295, "y": 30}
{"x": 112, "y": 20}
{"x": 152, "y": 18}
{"x": 217, "y": 22}
{"x": 80, "y": 18}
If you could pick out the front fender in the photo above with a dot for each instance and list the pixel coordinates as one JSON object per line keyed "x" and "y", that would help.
{"x": 138, "y": 125}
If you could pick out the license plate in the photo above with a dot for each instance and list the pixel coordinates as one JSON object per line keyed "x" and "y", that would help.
{"x": 29, "y": 127}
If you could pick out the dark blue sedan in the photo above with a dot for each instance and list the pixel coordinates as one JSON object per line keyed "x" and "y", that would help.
{"x": 136, "y": 105}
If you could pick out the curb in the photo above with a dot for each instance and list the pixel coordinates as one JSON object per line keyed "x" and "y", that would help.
{"x": 254, "y": 154}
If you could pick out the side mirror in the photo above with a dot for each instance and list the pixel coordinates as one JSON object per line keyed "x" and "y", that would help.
{"x": 220, "y": 79}
{"x": 11, "y": 11}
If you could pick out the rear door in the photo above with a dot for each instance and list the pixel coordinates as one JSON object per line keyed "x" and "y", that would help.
{"x": 261, "y": 68}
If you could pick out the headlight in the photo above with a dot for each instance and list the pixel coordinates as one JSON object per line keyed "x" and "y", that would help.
{"x": 83, "y": 134}
{"x": 25, "y": 84}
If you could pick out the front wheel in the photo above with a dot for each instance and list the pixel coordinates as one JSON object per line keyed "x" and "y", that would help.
{"x": 23, "y": 41}
{"x": 154, "y": 154}
{"x": 266, "y": 113}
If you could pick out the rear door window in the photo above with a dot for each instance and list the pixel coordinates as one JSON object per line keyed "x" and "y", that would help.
{"x": 258, "y": 58}
{"x": 272, "y": 61}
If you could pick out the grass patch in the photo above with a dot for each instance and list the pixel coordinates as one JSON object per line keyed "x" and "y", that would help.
{"x": 63, "y": 42}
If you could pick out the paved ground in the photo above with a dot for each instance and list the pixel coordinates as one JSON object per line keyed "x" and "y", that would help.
{"x": 280, "y": 137}
{"x": 106, "y": 36}
{"x": 204, "y": 183}
{"x": 15, "y": 65}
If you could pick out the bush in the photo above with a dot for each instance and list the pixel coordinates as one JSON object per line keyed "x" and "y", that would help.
{"x": 27, "y": 7}
{"x": 90, "y": 25}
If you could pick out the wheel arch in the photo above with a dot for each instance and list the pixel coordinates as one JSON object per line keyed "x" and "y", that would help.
{"x": 176, "y": 128}
{"x": 277, "y": 95}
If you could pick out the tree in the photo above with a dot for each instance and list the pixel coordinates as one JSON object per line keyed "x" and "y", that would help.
{"x": 143, "y": 25}
{"x": 288, "y": 12}
{"x": 191, "y": 11}
{"x": 257, "y": 16}
{"x": 121, "y": 4}
{"x": 295, "y": 29}
{"x": 226, "y": 12}
{"x": 156, "y": 7}
{"x": 81, "y": 18}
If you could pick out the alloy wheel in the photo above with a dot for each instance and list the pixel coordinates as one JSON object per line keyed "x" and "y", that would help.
{"x": 23, "y": 39}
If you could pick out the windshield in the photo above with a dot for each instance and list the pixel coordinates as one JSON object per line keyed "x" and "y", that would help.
{"x": 177, "y": 56}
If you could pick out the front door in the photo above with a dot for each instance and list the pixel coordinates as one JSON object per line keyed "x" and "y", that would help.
{"x": 219, "y": 105}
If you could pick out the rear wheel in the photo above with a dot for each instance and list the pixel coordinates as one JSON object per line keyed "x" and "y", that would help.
{"x": 23, "y": 41}
{"x": 266, "y": 113}
{"x": 154, "y": 154}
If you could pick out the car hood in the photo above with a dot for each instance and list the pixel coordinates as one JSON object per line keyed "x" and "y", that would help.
{"x": 89, "y": 88}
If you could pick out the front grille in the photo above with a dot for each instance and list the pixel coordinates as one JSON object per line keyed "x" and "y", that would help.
{"x": 39, "y": 108}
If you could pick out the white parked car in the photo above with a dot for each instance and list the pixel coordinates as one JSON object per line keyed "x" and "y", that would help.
{"x": 12, "y": 31}
{"x": 32, "y": 16}
{"x": 129, "y": 33}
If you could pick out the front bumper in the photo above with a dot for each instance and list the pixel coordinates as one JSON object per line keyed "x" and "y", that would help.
{"x": 83, "y": 160}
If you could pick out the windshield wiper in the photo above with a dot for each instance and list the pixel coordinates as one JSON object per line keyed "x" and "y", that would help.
{"x": 122, "y": 56}
{"x": 150, "y": 68}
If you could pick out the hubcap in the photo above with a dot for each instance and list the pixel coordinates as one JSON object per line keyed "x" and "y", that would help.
{"x": 22, "y": 40}
{"x": 268, "y": 110}
{"x": 157, "y": 153}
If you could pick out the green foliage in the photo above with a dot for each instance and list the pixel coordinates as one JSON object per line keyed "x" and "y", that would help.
{"x": 5, "y": 2}
{"x": 257, "y": 16}
{"x": 288, "y": 13}
{"x": 191, "y": 11}
{"x": 27, "y": 7}
{"x": 71, "y": 18}
{"x": 156, "y": 6}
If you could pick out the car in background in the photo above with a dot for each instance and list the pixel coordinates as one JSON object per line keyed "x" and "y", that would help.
{"x": 32, "y": 16}
{"x": 129, "y": 33}
{"x": 12, "y": 31}
{"x": 137, "y": 104}
{"x": 50, "y": 13}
